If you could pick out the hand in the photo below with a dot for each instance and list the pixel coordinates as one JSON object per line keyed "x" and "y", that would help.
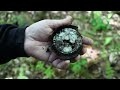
{"x": 37, "y": 41}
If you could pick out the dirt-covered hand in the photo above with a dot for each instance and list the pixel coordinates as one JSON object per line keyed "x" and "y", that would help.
{"x": 37, "y": 41}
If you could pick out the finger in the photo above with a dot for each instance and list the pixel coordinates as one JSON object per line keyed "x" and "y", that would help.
{"x": 83, "y": 51}
{"x": 75, "y": 59}
{"x": 87, "y": 41}
{"x": 78, "y": 57}
{"x": 52, "y": 57}
{"x": 55, "y": 62}
{"x": 57, "y": 23}
{"x": 63, "y": 64}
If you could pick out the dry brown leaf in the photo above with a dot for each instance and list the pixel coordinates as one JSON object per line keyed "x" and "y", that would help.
{"x": 91, "y": 54}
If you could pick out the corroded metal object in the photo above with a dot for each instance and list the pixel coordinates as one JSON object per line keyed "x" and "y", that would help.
{"x": 67, "y": 42}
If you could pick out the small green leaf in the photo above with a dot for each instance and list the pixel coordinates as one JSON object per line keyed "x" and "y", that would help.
{"x": 107, "y": 40}
{"x": 49, "y": 72}
{"x": 76, "y": 68}
{"x": 109, "y": 71}
{"x": 83, "y": 62}
{"x": 40, "y": 66}
{"x": 97, "y": 13}
{"x": 109, "y": 15}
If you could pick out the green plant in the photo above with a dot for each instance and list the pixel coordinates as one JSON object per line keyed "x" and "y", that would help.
{"x": 78, "y": 66}
{"x": 98, "y": 23}
{"x": 40, "y": 66}
{"x": 22, "y": 74}
{"x": 49, "y": 72}
{"x": 80, "y": 69}
{"x": 107, "y": 40}
{"x": 109, "y": 70}
{"x": 22, "y": 18}
{"x": 12, "y": 19}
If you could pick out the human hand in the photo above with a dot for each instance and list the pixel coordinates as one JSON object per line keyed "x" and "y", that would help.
{"x": 37, "y": 41}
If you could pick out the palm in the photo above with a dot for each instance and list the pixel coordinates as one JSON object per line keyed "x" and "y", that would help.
{"x": 37, "y": 41}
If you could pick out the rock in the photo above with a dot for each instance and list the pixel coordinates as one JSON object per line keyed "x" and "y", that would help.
{"x": 114, "y": 57}
{"x": 22, "y": 77}
{"x": 89, "y": 13}
{"x": 116, "y": 17}
{"x": 10, "y": 11}
{"x": 27, "y": 72}
{"x": 91, "y": 55}
{"x": 16, "y": 61}
{"x": 9, "y": 78}
{"x": 118, "y": 32}
{"x": 114, "y": 23}
{"x": 1, "y": 73}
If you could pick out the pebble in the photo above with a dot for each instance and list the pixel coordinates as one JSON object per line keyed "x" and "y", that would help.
{"x": 27, "y": 72}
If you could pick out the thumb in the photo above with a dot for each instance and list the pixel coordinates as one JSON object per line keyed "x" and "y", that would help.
{"x": 57, "y": 23}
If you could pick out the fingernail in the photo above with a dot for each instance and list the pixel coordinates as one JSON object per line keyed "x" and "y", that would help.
{"x": 67, "y": 61}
